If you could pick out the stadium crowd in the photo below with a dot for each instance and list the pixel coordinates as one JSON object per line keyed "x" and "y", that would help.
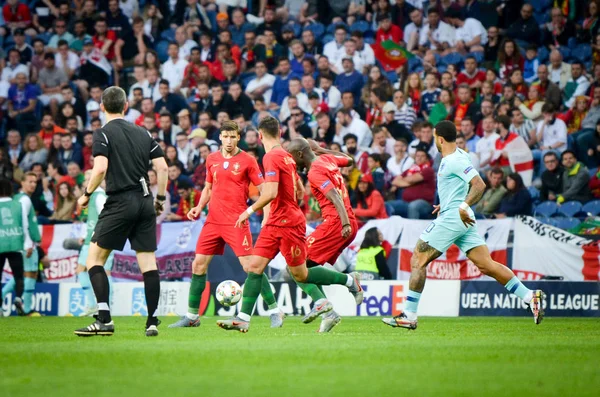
{"x": 501, "y": 70}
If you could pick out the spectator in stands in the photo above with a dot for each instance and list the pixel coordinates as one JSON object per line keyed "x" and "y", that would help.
{"x": 549, "y": 91}
{"x": 172, "y": 103}
{"x": 174, "y": 68}
{"x": 69, "y": 151}
{"x": 22, "y": 101}
{"x": 577, "y": 85}
{"x": 359, "y": 154}
{"x": 574, "y": 180}
{"x": 525, "y": 28}
{"x": 14, "y": 147}
{"x": 412, "y": 31}
{"x": 471, "y": 75}
{"x": 465, "y": 106}
{"x": 467, "y": 128}
{"x": 509, "y": 58}
{"x": 442, "y": 108}
{"x": 377, "y": 99}
{"x": 392, "y": 127}
{"x": 335, "y": 49}
{"x": 532, "y": 107}
{"x": 176, "y": 177}
{"x": 469, "y": 35}
{"x": 424, "y": 140}
{"x": 6, "y": 167}
{"x": 371, "y": 260}
{"x": 376, "y": 79}
{"x": 189, "y": 198}
{"x": 382, "y": 143}
{"x": 558, "y": 32}
{"x": 525, "y": 128}
{"x": 262, "y": 84}
{"x": 531, "y": 64}
{"x": 405, "y": 114}
{"x": 75, "y": 173}
{"x": 169, "y": 131}
{"x": 369, "y": 202}
{"x": 350, "y": 80}
{"x": 429, "y": 96}
{"x": 574, "y": 117}
{"x": 66, "y": 204}
{"x": 50, "y": 80}
{"x": 437, "y": 35}
{"x": 35, "y": 152}
{"x": 493, "y": 195}
{"x": 559, "y": 71}
{"x": 270, "y": 22}
{"x": 487, "y": 144}
{"x": 13, "y": 67}
{"x": 500, "y": 157}
{"x": 49, "y": 129}
{"x": 237, "y": 102}
{"x": 517, "y": 200}
{"x": 295, "y": 91}
{"x": 331, "y": 95}
{"x": 551, "y": 177}
{"x": 551, "y": 133}
{"x": 346, "y": 124}
{"x": 296, "y": 126}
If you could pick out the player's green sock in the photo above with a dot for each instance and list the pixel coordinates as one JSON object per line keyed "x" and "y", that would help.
{"x": 196, "y": 289}
{"x": 252, "y": 288}
{"x": 516, "y": 287}
{"x": 8, "y": 287}
{"x": 322, "y": 276}
{"x": 29, "y": 284}
{"x": 267, "y": 293}
{"x": 312, "y": 290}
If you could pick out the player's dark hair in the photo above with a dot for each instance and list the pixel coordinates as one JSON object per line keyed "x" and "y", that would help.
{"x": 371, "y": 238}
{"x": 114, "y": 100}
{"x": 269, "y": 126}
{"x": 6, "y": 189}
{"x": 447, "y": 130}
{"x": 230, "y": 126}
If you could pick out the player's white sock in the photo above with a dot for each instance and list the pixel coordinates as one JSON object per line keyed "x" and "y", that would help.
{"x": 411, "y": 316}
{"x": 349, "y": 281}
{"x": 273, "y": 311}
{"x": 243, "y": 316}
{"x": 528, "y": 296}
{"x": 192, "y": 316}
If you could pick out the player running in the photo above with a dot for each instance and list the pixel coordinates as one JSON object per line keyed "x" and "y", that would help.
{"x": 228, "y": 174}
{"x": 339, "y": 227}
{"x": 284, "y": 230}
{"x": 95, "y": 206}
{"x": 459, "y": 187}
{"x": 30, "y": 256}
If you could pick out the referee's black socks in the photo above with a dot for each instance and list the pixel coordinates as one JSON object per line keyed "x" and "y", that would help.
{"x": 152, "y": 289}
{"x": 101, "y": 287}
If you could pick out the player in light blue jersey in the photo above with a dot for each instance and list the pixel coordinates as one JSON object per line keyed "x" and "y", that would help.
{"x": 459, "y": 187}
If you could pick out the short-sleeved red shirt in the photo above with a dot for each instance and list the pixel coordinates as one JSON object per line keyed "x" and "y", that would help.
{"x": 99, "y": 43}
{"x": 230, "y": 178}
{"x": 20, "y": 14}
{"x": 325, "y": 175}
{"x": 280, "y": 167}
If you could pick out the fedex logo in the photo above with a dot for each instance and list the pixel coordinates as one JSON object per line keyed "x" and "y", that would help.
{"x": 382, "y": 301}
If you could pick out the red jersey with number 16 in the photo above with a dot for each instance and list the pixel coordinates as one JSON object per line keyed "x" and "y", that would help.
{"x": 280, "y": 167}
{"x": 325, "y": 175}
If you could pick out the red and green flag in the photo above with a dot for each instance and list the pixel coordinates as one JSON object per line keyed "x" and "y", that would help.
{"x": 391, "y": 55}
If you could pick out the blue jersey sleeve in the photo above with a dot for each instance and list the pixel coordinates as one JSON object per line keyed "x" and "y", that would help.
{"x": 464, "y": 169}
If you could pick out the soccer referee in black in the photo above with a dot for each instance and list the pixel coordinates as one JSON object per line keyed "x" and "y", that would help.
{"x": 122, "y": 153}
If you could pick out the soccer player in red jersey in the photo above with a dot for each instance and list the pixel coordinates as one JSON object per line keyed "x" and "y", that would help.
{"x": 339, "y": 227}
{"x": 284, "y": 231}
{"x": 228, "y": 174}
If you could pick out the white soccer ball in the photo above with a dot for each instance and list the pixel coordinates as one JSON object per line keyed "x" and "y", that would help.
{"x": 228, "y": 293}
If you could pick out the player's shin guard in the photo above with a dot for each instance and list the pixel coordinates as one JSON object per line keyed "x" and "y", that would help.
{"x": 101, "y": 287}
{"x": 28, "y": 294}
{"x": 322, "y": 276}
{"x": 8, "y": 287}
{"x": 196, "y": 289}
{"x": 252, "y": 288}
{"x": 267, "y": 293}
{"x": 86, "y": 286}
{"x": 516, "y": 287}
{"x": 152, "y": 290}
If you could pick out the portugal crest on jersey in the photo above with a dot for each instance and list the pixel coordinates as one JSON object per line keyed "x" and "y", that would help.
{"x": 236, "y": 167}
{"x": 226, "y": 165}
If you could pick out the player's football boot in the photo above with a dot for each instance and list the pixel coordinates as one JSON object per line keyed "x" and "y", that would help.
{"x": 536, "y": 305}
{"x": 234, "y": 324}
{"x": 400, "y": 321}
{"x": 97, "y": 328}
{"x": 19, "y": 306}
{"x": 152, "y": 330}
{"x": 321, "y": 306}
{"x": 185, "y": 322}
{"x": 277, "y": 319}
{"x": 329, "y": 321}
{"x": 356, "y": 288}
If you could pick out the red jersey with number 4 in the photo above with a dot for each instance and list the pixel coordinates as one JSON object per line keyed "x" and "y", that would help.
{"x": 230, "y": 178}
{"x": 280, "y": 167}
{"x": 325, "y": 175}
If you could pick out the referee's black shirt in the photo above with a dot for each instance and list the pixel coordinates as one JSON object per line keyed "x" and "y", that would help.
{"x": 129, "y": 149}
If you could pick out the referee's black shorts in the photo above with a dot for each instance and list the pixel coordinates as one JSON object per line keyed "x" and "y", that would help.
{"x": 127, "y": 215}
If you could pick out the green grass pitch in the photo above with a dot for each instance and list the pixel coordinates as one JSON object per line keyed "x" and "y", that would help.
{"x": 361, "y": 357}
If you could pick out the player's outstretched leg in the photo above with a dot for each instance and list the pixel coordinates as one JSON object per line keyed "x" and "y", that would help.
{"x": 322, "y": 276}
{"x": 275, "y": 315}
{"x": 481, "y": 257}
{"x": 423, "y": 254}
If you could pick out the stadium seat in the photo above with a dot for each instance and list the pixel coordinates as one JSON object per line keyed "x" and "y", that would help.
{"x": 162, "y": 50}
{"x": 327, "y": 38}
{"x": 541, "y": 17}
{"x": 478, "y": 56}
{"x": 566, "y": 223}
{"x": 543, "y": 54}
{"x": 168, "y": 35}
{"x": 570, "y": 142}
{"x": 547, "y": 208}
{"x": 389, "y": 209}
{"x": 392, "y": 76}
{"x": 247, "y": 79}
{"x": 452, "y": 59}
{"x": 540, "y": 5}
{"x": 565, "y": 52}
{"x": 317, "y": 28}
{"x": 582, "y": 53}
{"x": 297, "y": 29}
{"x": 413, "y": 64}
{"x": 572, "y": 42}
{"x": 543, "y": 219}
{"x": 570, "y": 208}
{"x": 593, "y": 207}
{"x": 361, "y": 26}
{"x": 369, "y": 40}
{"x": 534, "y": 193}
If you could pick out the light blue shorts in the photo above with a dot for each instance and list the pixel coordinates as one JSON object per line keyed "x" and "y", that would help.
{"x": 31, "y": 264}
{"x": 83, "y": 254}
{"x": 449, "y": 229}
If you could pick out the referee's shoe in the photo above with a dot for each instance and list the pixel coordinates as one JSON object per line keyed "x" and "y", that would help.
{"x": 97, "y": 328}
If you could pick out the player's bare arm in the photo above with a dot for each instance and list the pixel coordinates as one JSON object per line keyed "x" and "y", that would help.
{"x": 300, "y": 191}
{"x": 476, "y": 190}
{"x": 195, "y": 212}
{"x": 98, "y": 173}
{"x": 160, "y": 165}
{"x": 268, "y": 194}
{"x": 318, "y": 150}
{"x": 266, "y": 208}
{"x": 335, "y": 198}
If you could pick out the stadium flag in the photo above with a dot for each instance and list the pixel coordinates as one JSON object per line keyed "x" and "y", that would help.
{"x": 453, "y": 264}
{"x": 521, "y": 159}
{"x": 542, "y": 250}
{"x": 391, "y": 55}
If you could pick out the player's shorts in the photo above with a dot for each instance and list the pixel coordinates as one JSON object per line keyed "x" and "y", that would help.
{"x": 83, "y": 254}
{"x": 127, "y": 215}
{"x": 290, "y": 241}
{"x": 213, "y": 238}
{"x": 326, "y": 243}
{"x": 448, "y": 230}
{"x": 31, "y": 264}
